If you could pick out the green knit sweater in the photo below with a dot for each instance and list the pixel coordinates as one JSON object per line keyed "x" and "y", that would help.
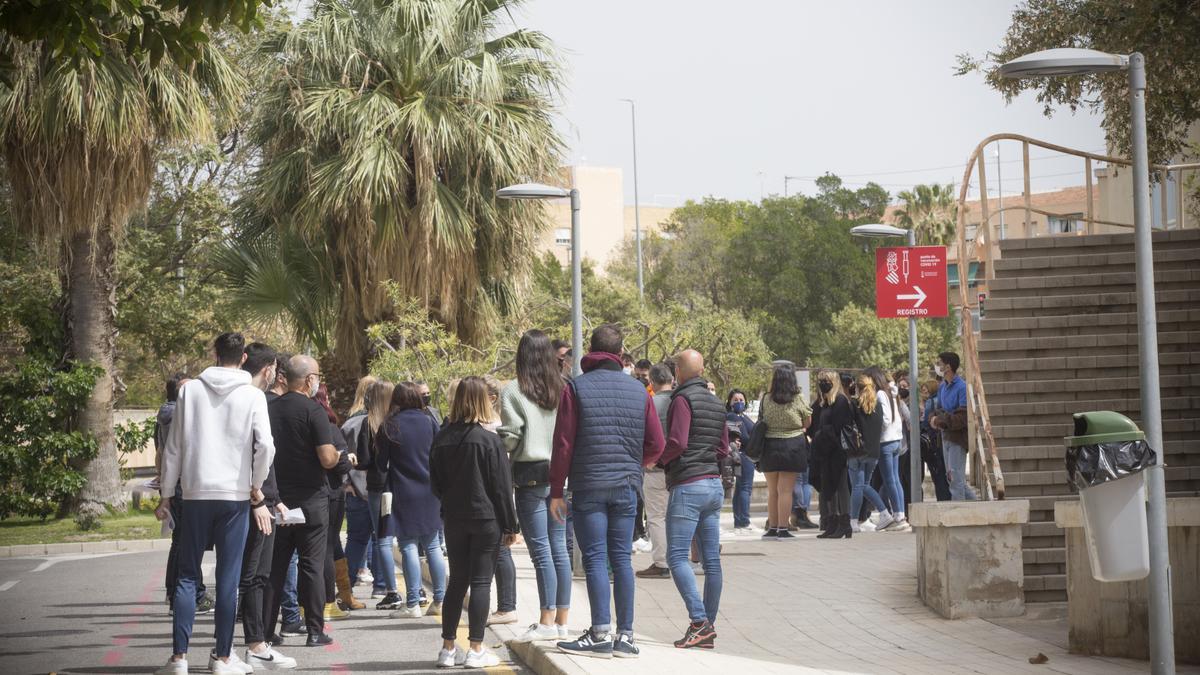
{"x": 526, "y": 428}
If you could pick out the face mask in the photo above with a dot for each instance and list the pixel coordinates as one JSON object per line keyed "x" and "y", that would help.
{"x": 425, "y": 399}
{"x": 739, "y": 407}
{"x": 939, "y": 370}
{"x": 825, "y": 387}
{"x": 903, "y": 392}
{"x": 316, "y": 387}
{"x": 627, "y": 371}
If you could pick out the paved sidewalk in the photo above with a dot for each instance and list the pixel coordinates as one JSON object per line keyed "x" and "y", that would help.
{"x": 846, "y": 606}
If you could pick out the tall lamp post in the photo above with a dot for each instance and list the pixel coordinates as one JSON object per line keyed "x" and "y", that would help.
{"x": 1071, "y": 61}
{"x": 637, "y": 218}
{"x": 539, "y": 191}
{"x": 915, "y": 473}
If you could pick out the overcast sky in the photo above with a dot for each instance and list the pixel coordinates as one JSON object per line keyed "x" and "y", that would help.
{"x": 726, "y": 90}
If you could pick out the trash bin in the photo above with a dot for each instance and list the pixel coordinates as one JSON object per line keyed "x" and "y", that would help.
{"x": 1105, "y": 459}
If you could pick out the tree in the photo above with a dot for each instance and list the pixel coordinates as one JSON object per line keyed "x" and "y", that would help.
{"x": 1163, "y": 30}
{"x": 869, "y": 201}
{"x": 857, "y": 338}
{"x": 80, "y": 144}
{"x": 931, "y": 210}
{"x": 385, "y": 132}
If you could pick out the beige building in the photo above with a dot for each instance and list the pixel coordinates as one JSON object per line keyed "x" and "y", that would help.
{"x": 605, "y": 221}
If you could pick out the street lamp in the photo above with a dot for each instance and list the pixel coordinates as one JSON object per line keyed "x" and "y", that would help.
{"x": 637, "y": 207}
{"x": 1071, "y": 61}
{"x": 539, "y": 191}
{"x": 916, "y": 470}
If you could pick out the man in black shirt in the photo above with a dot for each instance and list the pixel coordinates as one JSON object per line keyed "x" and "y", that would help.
{"x": 303, "y": 450}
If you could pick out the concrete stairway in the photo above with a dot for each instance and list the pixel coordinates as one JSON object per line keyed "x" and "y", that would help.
{"x": 1059, "y": 337}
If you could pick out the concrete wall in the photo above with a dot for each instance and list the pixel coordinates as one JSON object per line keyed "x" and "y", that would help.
{"x": 1112, "y": 619}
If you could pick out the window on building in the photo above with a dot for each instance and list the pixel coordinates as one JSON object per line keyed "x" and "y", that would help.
{"x": 1068, "y": 224}
{"x": 562, "y": 236}
{"x": 1169, "y": 220}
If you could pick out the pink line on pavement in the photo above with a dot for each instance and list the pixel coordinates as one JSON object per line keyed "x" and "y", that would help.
{"x": 114, "y": 656}
{"x": 333, "y": 649}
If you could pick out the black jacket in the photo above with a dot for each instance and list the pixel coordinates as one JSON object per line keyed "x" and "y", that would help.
{"x": 469, "y": 472}
{"x": 827, "y": 420}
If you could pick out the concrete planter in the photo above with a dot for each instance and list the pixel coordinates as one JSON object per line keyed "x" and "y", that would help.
{"x": 969, "y": 557}
{"x": 1112, "y": 619}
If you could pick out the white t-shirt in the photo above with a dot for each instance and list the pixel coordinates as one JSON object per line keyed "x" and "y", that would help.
{"x": 893, "y": 425}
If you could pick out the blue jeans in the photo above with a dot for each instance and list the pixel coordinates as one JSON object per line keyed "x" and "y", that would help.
{"x": 358, "y": 534}
{"x": 383, "y": 562}
{"x": 289, "y": 605}
{"x": 742, "y": 491}
{"x": 547, "y": 542}
{"x": 411, "y": 560}
{"x": 694, "y": 510}
{"x": 603, "y": 520}
{"x": 956, "y": 466}
{"x": 860, "y": 475}
{"x": 889, "y": 473}
{"x": 802, "y": 491}
{"x": 223, "y": 524}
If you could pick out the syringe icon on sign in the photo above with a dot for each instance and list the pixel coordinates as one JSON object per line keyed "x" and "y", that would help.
{"x": 904, "y": 266}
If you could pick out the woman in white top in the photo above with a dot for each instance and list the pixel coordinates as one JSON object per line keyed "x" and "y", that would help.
{"x": 890, "y": 448}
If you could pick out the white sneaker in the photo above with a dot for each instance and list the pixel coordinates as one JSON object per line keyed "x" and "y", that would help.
{"x": 481, "y": 659}
{"x": 365, "y": 576}
{"x": 642, "y": 545}
{"x": 434, "y": 609}
{"x": 563, "y": 633}
{"x": 449, "y": 658}
{"x": 885, "y": 519}
{"x": 234, "y": 666}
{"x": 501, "y": 618}
{"x": 413, "y": 612}
{"x": 866, "y": 526}
{"x": 854, "y": 526}
{"x": 269, "y": 659}
{"x": 538, "y": 632}
{"x": 900, "y": 525}
{"x": 173, "y": 668}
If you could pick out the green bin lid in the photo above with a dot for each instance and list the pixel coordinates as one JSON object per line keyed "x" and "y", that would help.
{"x": 1103, "y": 426}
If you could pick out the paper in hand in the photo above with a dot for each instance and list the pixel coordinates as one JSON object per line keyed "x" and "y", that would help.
{"x": 292, "y": 517}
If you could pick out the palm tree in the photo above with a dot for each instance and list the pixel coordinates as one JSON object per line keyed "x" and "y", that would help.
{"x": 385, "y": 133}
{"x": 80, "y": 140}
{"x": 930, "y": 209}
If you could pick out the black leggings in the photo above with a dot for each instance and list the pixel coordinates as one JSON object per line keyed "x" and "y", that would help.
{"x": 472, "y": 547}
{"x": 333, "y": 548}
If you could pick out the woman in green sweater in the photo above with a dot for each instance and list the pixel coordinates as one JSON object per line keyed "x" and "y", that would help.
{"x": 785, "y": 454}
{"x": 528, "y": 406}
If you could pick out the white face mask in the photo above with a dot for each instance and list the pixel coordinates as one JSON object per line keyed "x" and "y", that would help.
{"x": 315, "y": 388}
{"x": 627, "y": 371}
{"x": 939, "y": 370}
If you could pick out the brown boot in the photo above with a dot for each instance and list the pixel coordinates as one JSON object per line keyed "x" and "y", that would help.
{"x": 342, "y": 576}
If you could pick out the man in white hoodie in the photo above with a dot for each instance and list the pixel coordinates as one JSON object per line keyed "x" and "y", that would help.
{"x": 220, "y": 450}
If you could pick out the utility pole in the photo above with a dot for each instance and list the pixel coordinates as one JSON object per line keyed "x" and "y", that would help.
{"x": 637, "y": 222}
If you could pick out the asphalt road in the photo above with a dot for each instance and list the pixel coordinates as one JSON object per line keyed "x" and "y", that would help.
{"x": 106, "y": 613}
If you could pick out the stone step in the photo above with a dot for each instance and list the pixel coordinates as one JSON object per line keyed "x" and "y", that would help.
{"x": 1046, "y": 582}
{"x": 1087, "y": 262}
{"x": 1038, "y": 390}
{"x": 1093, "y": 323}
{"x": 1115, "y": 343}
{"x": 1016, "y": 434}
{"x": 1057, "y": 305}
{"x": 1033, "y": 597}
{"x": 1108, "y": 282}
{"x": 1065, "y": 409}
{"x": 1023, "y": 370}
{"x": 1045, "y": 556}
{"x": 1013, "y": 249}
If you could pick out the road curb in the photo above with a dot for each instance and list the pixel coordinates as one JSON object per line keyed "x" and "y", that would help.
{"x": 77, "y": 547}
{"x": 542, "y": 658}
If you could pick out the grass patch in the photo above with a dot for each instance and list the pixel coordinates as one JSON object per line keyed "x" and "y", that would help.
{"x": 133, "y": 524}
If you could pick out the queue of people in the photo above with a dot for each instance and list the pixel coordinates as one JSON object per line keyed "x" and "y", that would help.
{"x": 255, "y": 464}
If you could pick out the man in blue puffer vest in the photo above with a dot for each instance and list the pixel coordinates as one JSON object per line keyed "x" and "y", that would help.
{"x": 606, "y": 431}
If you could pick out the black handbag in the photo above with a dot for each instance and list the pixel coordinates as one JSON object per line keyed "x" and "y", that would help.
{"x": 530, "y": 474}
{"x": 850, "y": 440}
{"x": 758, "y": 436}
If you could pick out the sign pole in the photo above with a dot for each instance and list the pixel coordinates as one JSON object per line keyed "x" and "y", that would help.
{"x": 916, "y": 473}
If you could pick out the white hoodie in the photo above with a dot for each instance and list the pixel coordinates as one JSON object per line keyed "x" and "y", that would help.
{"x": 220, "y": 441}
{"x": 893, "y": 429}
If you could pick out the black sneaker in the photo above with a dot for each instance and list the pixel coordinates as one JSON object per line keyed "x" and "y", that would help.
{"x": 589, "y": 644}
{"x": 623, "y": 647}
{"x": 389, "y": 601}
{"x": 293, "y": 630}
{"x": 771, "y": 534}
{"x": 424, "y": 602}
{"x": 653, "y": 572}
{"x": 701, "y": 635}
{"x": 784, "y": 534}
{"x": 205, "y": 604}
{"x": 276, "y": 639}
{"x": 318, "y": 640}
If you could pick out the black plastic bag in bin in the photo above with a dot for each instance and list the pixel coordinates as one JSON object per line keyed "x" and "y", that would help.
{"x": 1095, "y": 464}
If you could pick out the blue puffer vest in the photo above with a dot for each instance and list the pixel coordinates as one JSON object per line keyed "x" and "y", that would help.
{"x": 612, "y": 428}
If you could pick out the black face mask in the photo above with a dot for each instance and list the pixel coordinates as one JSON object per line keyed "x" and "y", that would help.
{"x": 825, "y": 387}
{"x": 903, "y": 391}
{"x": 425, "y": 400}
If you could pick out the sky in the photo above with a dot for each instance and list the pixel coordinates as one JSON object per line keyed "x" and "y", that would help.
{"x": 733, "y": 96}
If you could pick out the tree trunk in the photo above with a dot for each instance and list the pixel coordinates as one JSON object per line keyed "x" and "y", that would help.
{"x": 91, "y": 337}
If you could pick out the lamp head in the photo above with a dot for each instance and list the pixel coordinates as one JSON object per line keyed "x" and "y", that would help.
{"x": 1063, "y": 61}
{"x": 878, "y": 230}
{"x": 532, "y": 191}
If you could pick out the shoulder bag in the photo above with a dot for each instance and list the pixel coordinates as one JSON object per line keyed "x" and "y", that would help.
{"x": 753, "y": 447}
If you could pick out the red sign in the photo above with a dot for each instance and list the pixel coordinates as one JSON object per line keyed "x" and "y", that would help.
{"x": 910, "y": 282}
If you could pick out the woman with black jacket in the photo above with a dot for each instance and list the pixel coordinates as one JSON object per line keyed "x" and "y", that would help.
{"x": 470, "y": 473}
{"x": 832, "y": 413}
{"x": 869, "y": 415}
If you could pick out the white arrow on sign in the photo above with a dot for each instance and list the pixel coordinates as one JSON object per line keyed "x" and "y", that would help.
{"x": 919, "y": 296}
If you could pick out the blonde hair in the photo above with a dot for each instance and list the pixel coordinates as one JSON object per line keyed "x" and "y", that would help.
{"x": 494, "y": 387}
{"x": 834, "y": 391}
{"x": 471, "y": 403}
{"x": 360, "y": 393}
{"x": 378, "y": 402}
{"x": 868, "y": 397}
